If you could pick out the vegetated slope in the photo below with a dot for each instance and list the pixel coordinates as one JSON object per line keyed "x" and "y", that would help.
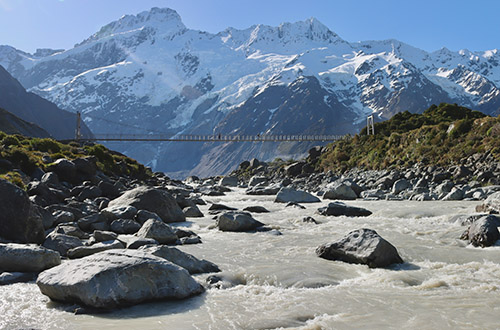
{"x": 30, "y": 107}
{"x": 20, "y": 156}
{"x": 12, "y": 124}
{"x": 441, "y": 135}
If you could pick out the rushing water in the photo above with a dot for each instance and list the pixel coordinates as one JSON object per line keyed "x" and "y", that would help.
{"x": 280, "y": 283}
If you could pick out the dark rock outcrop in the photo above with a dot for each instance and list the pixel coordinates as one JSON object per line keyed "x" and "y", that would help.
{"x": 237, "y": 221}
{"x": 362, "y": 246}
{"x": 339, "y": 208}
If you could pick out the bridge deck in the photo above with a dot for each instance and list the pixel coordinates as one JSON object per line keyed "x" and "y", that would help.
{"x": 213, "y": 138}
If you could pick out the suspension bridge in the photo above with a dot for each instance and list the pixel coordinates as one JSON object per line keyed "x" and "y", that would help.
{"x": 159, "y": 137}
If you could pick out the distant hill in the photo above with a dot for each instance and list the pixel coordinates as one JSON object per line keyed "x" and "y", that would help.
{"x": 32, "y": 108}
{"x": 441, "y": 135}
{"x": 12, "y": 124}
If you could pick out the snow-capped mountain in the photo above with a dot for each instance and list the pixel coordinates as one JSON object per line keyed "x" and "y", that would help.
{"x": 150, "y": 73}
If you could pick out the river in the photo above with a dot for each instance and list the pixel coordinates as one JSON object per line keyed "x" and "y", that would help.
{"x": 280, "y": 283}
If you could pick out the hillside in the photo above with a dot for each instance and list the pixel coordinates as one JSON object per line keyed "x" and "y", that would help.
{"x": 441, "y": 135}
{"x": 12, "y": 124}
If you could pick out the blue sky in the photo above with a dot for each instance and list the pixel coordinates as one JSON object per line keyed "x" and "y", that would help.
{"x": 427, "y": 24}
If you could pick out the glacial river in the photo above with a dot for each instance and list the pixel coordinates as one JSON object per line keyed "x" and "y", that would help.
{"x": 281, "y": 284}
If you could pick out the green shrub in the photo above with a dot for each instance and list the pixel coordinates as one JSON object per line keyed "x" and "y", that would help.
{"x": 45, "y": 145}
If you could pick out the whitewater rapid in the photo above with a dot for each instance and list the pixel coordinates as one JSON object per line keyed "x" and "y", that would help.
{"x": 280, "y": 283}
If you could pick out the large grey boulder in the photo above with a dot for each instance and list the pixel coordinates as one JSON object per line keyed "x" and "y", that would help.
{"x": 455, "y": 194}
{"x": 257, "y": 180}
{"x": 158, "y": 231}
{"x": 65, "y": 169}
{"x": 491, "y": 204}
{"x": 27, "y": 258}
{"x": 237, "y": 221}
{"x": 362, "y": 246}
{"x": 340, "y": 191}
{"x": 119, "y": 212}
{"x": 264, "y": 190}
{"x": 339, "y": 208}
{"x": 192, "y": 264}
{"x": 16, "y": 277}
{"x": 154, "y": 200}
{"x": 483, "y": 232}
{"x": 125, "y": 226}
{"x": 400, "y": 185}
{"x": 286, "y": 195}
{"x": 192, "y": 212}
{"x": 20, "y": 220}
{"x": 116, "y": 278}
{"x": 83, "y": 251}
{"x": 61, "y": 242}
{"x": 229, "y": 181}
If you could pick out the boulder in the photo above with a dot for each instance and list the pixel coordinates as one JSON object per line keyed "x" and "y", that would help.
{"x": 153, "y": 200}
{"x": 237, "y": 221}
{"x": 27, "y": 258}
{"x": 65, "y": 169}
{"x": 83, "y": 251}
{"x": 294, "y": 169}
{"x": 61, "y": 242}
{"x": 286, "y": 195}
{"x": 455, "y": 194}
{"x": 103, "y": 236}
{"x": 86, "y": 165}
{"x": 116, "y": 278}
{"x": 339, "y": 208}
{"x": 142, "y": 216}
{"x": 218, "y": 207}
{"x": 158, "y": 231}
{"x": 264, "y": 190}
{"x": 134, "y": 242}
{"x": 362, "y": 246}
{"x": 119, "y": 212}
{"x": 229, "y": 181}
{"x": 483, "y": 232}
{"x": 61, "y": 216}
{"x": 86, "y": 223}
{"x": 256, "y": 209}
{"x": 16, "y": 277}
{"x": 125, "y": 226}
{"x": 192, "y": 212}
{"x": 71, "y": 230}
{"x": 339, "y": 191}
{"x": 257, "y": 180}
{"x": 192, "y": 264}
{"x": 491, "y": 204}
{"x": 20, "y": 220}
{"x": 400, "y": 185}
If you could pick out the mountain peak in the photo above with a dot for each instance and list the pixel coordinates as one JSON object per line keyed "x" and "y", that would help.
{"x": 165, "y": 20}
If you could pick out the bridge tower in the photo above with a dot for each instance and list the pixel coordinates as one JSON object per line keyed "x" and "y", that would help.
{"x": 370, "y": 126}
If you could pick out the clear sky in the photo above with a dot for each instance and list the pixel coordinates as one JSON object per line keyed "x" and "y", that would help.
{"x": 427, "y": 24}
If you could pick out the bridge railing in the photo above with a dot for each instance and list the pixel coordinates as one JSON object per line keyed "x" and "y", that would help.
{"x": 213, "y": 138}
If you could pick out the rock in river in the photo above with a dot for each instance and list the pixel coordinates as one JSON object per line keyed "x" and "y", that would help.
{"x": 115, "y": 278}
{"x": 237, "y": 221}
{"x": 286, "y": 195}
{"x": 362, "y": 246}
{"x": 339, "y": 208}
{"x": 483, "y": 231}
{"x": 27, "y": 258}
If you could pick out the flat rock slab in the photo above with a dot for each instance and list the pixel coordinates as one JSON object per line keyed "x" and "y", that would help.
{"x": 286, "y": 195}
{"x": 362, "y": 246}
{"x": 83, "y": 251}
{"x": 27, "y": 258}
{"x": 339, "y": 208}
{"x": 192, "y": 264}
{"x": 116, "y": 278}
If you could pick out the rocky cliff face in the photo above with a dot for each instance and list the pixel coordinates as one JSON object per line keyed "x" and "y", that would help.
{"x": 150, "y": 73}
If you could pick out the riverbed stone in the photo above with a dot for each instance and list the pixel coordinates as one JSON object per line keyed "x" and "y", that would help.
{"x": 158, "y": 231}
{"x": 192, "y": 212}
{"x": 256, "y": 209}
{"x": 125, "y": 226}
{"x": 237, "y": 221}
{"x": 154, "y": 200}
{"x": 16, "y": 277}
{"x": 61, "y": 242}
{"x": 286, "y": 195}
{"x": 339, "y": 208}
{"x": 192, "y": 264}
{"x": 340, "y": 191}
{"x": 400, "y": 185}
{"x": 483, "y": 232}
{"x": 116, "y": 278}
{"x": 229, "y": 181}
{"x": 362, "y": 246}
{"x": 27, "y": 258}
{"x": 491, "y": 204}
{"x": 20, "y": 220}
{"x": 83, "y": 251}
